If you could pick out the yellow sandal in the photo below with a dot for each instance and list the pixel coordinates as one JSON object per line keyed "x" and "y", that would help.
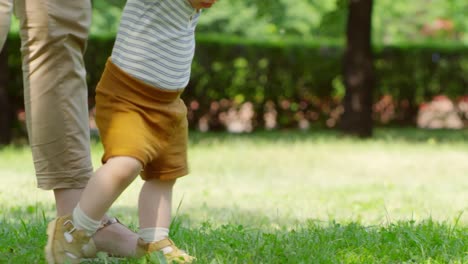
{"x": 175, "y": 256}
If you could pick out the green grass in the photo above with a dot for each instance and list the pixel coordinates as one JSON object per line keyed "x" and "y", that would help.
{"x": 286, "y": 197}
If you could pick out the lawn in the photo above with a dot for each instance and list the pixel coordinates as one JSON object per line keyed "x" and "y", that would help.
{"x": 286, "y": 197}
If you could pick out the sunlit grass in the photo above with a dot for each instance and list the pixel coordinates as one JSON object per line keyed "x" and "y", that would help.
{"x": 398, "y": 197}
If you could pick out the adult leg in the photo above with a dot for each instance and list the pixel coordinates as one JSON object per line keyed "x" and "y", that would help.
{"x": 5, "y": 15}
{"x": 54, "y": 35}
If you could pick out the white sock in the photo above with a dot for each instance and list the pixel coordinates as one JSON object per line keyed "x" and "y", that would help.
{"x": 154, "y": 235}
{"x": 84, "y": 222}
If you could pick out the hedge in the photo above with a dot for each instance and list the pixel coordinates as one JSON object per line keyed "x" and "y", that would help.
{"x": 292, "y": 78}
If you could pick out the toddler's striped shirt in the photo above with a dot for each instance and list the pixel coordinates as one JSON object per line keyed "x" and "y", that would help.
{"x": 156, "y": 42}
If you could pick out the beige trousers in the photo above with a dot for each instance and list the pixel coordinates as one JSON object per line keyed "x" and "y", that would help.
{"x": 53, "y": 36}
{"x": 5, "y": 15}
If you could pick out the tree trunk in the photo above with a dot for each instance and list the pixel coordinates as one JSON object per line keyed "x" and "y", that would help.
{"x": 5, "y": 109}
{"x": 358, "y": 70}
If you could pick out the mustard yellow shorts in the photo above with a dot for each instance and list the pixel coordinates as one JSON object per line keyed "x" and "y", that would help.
{"x": 141, "y": 121}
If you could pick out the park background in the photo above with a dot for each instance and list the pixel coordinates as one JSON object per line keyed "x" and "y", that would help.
{"x": 277, "y": 176}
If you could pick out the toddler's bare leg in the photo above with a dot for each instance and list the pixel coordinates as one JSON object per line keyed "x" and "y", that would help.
{"x": 115, "y": 239}
{"x": 155, "y": 203}
{"x": 102, "y": 190}
{"x": 154, "y": 207}
{"x": 107, "y": 184}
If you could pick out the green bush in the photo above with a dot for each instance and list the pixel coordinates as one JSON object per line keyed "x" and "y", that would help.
{"x": 300, "y": 79}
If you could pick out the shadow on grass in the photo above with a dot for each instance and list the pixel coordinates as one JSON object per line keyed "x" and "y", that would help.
{"x": 23, "y": 238}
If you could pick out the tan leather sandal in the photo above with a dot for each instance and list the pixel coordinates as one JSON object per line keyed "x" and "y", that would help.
{"x": 66, "y": 244}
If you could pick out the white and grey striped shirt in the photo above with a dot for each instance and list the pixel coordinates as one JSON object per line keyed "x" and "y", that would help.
{"x": 156, "y": 42}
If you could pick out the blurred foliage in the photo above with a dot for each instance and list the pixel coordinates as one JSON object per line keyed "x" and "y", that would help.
{"x": 287, "y": 53}
{"x": 296, "y": 79}
{"x": 394, "y": 21}
{"x": 106, "y": 16}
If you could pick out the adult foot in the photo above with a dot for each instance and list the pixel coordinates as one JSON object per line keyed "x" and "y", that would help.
{"x": 116, "y": 239}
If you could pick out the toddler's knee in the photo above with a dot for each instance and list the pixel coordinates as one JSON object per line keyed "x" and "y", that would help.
{"x": 125, "y": 169}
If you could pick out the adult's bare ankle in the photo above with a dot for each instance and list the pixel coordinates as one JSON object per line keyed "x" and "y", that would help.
{"x": 116, "y": 240}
